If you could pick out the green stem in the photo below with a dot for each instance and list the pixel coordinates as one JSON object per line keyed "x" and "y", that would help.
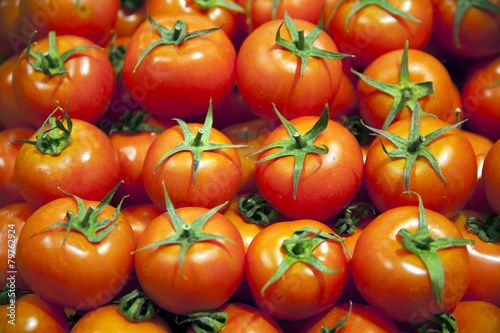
{"x": 301, "y": 42}
{"x": 415, "y": 144}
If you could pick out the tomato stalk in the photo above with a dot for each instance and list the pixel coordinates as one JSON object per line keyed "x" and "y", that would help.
{"x": 136, "y": 307}
{"x": 10, "y": 293}
{"x": 298, "y": 146}
{"x": 346, "y": 224}
{"x": 197, "y": 144}
{"x": 299, "y": 248}
{"x": 355, "y": 126}
{"x": 186, "y": 234}
{"x": 133, "y": 123}
{"x": 302, "y": 46}
{"x": 339, "y": 324}
{"x": 463, "y": 6}
{"x": 255, "y": 209}
{"x": 206, "y": 321}
{"x": 487, "y": 228}
{"x": 426, "y": 246}
{"x": 441, "y": 323}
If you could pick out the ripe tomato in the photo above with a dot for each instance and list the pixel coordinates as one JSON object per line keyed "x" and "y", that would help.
{"x": 87, "y": 167}
{"x": 91, "y": 19}
{"x": 32, "y": 313}
{"x": 477, "y": 317}
{"x": 72, "y": 269}
{"x": 165, "y": 80}
{"x": 90, "y": 70}
{"x": 344, "y": 103}
{"x": 491, "y": 177}
{"x": 373, "y": 30}
{"x": 295, "y": 273}
{"x": 11, "y": 40}
{"x": 139, "y": 216}
{"x": 129, "y": 19}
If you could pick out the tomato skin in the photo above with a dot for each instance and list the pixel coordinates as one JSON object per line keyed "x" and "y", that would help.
{"x": 374, "y": 105}
{"x": 34, "y": 314}
{"x": 128, "y": 21}
{"x": 139, "y": 216}
{"x": 79, "y": 275}
{"x": 164, "y": 81}
{"x": 302, "y": 291}
{"x": 394, "y": 280}
{"x": 203, "y": 289}
{"x": 109, "y": 319}
{"x": 88, "y": 168}
{"x": 456, "y": 158}
{"x": 491, "y": 177}
{"x": 267, "y": 73}
{"x": 373, "y": 31}
{"x": 37, "y": 94}
{"x": 9, "y": 193}
{"x": 328, "y": 182}
{"x": 477, "y": 317}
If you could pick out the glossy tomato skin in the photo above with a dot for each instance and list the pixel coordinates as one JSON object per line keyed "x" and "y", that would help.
{"x": 477, "y": 316}
{"x": 457, "y": 161}
{"x": 203, "y": 288}
{"x": 267, "y": 73}
{"x": 374, "y": 105}
{"x": 78, "y": 274}
{"x": 491, "y": 177}
{"x": 328, "y": 182}
{"x": 109, "y": 319}
{"x": 484, "y": 263}
{"x": 373, "y": 31}
{"x": 139, "y": 216}
{"x": 88, "y": 168}
{"x": 302, "y": 291}
{"x": 127, "y": 21}
{"x": 217, "y": 179}
{"x": 34, "y": 314}
{"x": 37, "y": 94}
{"x": 9, "y": 192}
{"x": 164, "y": 81}
{"x": 93, "y": 19}
{"x": 394, "y": 280}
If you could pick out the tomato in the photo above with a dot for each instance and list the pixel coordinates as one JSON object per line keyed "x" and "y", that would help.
{"x": 477, "y": 317}
{"x": 483, "y": 256}
{"x": 294, "y": 273}
{"x": 80, "y": 268}
{"x": 481, "y": 91}
{"x": 178, "y": 80}
{"x": 139, "y": 216}
{"x": 374, "y": 30}
{"x": 91, "y": 19}
{"x": 11, "y": 40}
{"x": 33, "y": 314}
{"x": 270, "y": 74}
{"x": 128, "y": 19}
{"x": 87, "y": 166}
{"x": 344, "y": 104}
{"x": 389, "y": 270}
{"x": 360, "y": 318}
{"x": 12, "y": 219}
{"x": 329, "y": 163}
{"x": 9, "y": 192}
{"x": 477, "y": 33}
{"x": 386, "y": 180}
{"x": 109, "y": 319}
{"x": 491, "y": 177}
{"x": 190, "y": 259}
{"x": 89, "y": 70}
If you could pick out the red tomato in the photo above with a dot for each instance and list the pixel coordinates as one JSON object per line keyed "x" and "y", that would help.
{"x": 88, "y": 70}
{"x": 91, "y": 19}
{"x": 33, "y": 314}
{"x": 139, "y": 216}
{"x": 302, "y": 290}
{"x": 109, "y": 319}
{"x": 178, "y": 80}
{"x": 373, "y": 30}
{"x": 65, "y": 266}
{"x": 9, "y": 192}
{"x": 11, "y": 39}
{"x": 477, "y": 317}
{"x": 87, "y": 167}
{"x": 344, "y": 103}
{"x": 128, "y": 20}
{"x": 491, "y": 177}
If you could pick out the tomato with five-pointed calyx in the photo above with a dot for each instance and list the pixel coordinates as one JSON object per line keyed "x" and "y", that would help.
{"x": 491, "y": 177}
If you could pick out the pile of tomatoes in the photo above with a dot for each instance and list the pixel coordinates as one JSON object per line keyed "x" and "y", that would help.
{"x": 250, "y": 166}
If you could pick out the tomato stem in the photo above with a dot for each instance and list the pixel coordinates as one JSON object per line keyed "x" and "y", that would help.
{"x": 487, "y": 227}
{"x": 301, "y": 41}
{"x": 255, "y": 209}
{"x": 136, "y": 307}
{"x": 199, "y": 135}
{"x": 415, "y": 144}
{"x": 206, "y": 321}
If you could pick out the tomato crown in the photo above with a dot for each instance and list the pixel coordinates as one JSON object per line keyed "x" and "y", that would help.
{"x": 346, "y": 224}
{"x": 133, "y": 123}
{"x": 255, "y": 209}
{"x": 443, "y": 322}
{"x": 136, "y": 307}
{"x": 339, "y": 324}
{"x": 463, "y": 6}
{"x": 206, "y": 321}
{"x": 355, "y": 126}
{"x": 487, "y": 227}
{"x": 11, "y": 292}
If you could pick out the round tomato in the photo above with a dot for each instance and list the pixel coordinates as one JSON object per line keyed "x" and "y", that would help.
{"x": 491, "y": 177}
{"x": 295, "y": 269}
{"x": 477, "y": 317}
{"x": 139, "y": 216}
{"x": 128, "y": 18}
{"x": 80, "y": 268}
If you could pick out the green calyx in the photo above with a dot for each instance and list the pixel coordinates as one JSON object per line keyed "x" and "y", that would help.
{"x": 298, "y": 145}
{"x": 198, "y": 143}
{"x": 51, "y": 63}
{"x": 133, "y": 123}
{"x": 355, "y": 126}
{"x": 136, "y": 307}
{"x": 339, "y": 324}
{"x": 10, "y": 293}
{"x": 440, "y": 323}
{"x": 175, "y": 36}
{"x": 346, "y": 223}
{"x": 232, "y": 6}
{"x": 299, "y": 248}
{"x": 414, "y": 146}
{"x": 487, "y": 227}
{"x": 255, "y": 209}
{"x": 406, "y": 93}
{"x": 186, "y": 234}
{"x": 302, "y": 45}
{"x": 56, "y": 138}
{"x": 426, "y": 246}
{"x": 463, "y": 6}
{"x": 116, "y": 55}
{"x": 206, "y": 321}
{"x": 86, "y": 222}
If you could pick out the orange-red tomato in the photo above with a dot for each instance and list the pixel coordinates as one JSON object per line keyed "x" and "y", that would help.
{"x": 477, "y": 317}
{"x": 491, "y": 177}
{"x": 139, "y": 216}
